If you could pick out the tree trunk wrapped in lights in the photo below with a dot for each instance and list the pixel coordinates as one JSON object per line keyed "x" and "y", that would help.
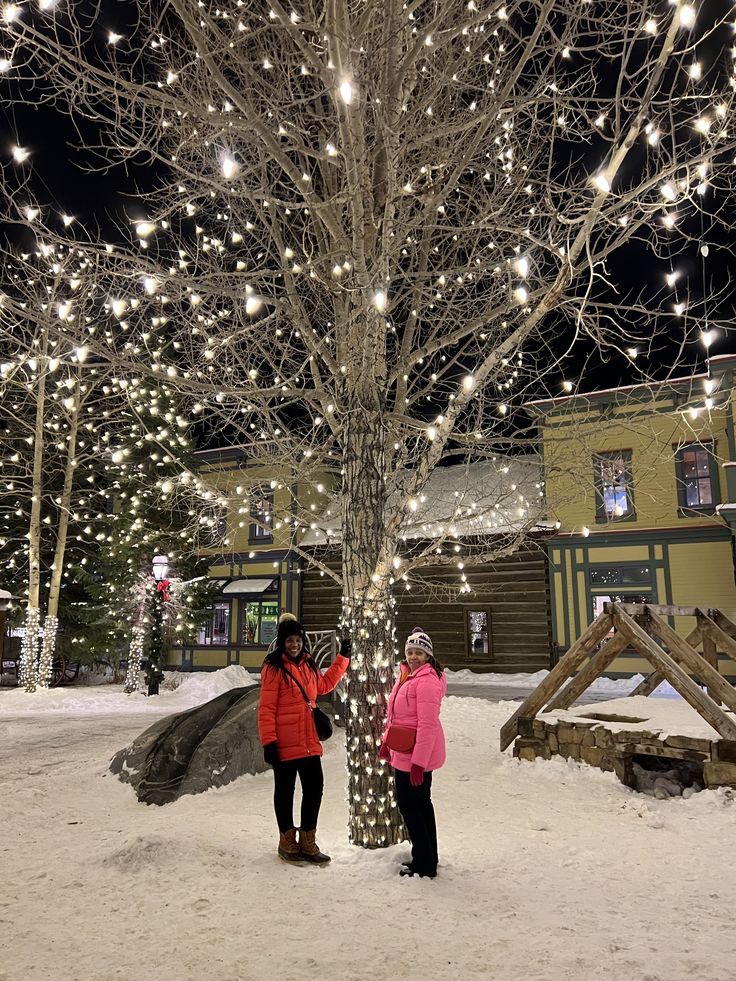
{"x": 377, "y": 228}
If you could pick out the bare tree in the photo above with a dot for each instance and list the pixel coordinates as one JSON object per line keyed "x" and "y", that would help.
{"x": 377, "y": 225}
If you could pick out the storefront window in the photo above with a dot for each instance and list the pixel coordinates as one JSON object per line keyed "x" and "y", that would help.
{"x": 217, "y": 630}
{"x": 260, "y": 621}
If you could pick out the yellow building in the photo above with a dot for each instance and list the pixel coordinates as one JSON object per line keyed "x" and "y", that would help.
{"x": 635, "y": 477}
{"x": 257, "y": 571}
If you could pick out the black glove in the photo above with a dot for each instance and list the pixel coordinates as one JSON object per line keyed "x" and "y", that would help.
{"x": 271, "y": 753}
{"x": 346, "y": 647}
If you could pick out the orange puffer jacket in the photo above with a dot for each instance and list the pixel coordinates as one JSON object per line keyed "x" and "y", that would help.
{"x": 284, "y": 716}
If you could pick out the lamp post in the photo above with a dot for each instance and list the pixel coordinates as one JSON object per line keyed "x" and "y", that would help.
{"x": 5, "y": 598}
{"x": 154, "y": 672}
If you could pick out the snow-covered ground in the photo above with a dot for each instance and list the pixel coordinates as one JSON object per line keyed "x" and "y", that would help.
{"x": 549, "y": 871}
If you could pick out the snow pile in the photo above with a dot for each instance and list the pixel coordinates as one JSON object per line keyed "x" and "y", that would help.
{"x": 194, "y": 689}
{"x": 614, "y": 686}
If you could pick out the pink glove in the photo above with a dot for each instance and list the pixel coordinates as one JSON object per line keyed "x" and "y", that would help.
{"x": 416, "y": 776}
{"x": 384, "y": 753}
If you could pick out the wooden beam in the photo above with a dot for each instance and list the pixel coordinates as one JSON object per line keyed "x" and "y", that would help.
{"x": 726, "y": 625}
{"x": 694, "y": 662}
{"x": 583, "y": 680}
{"x": 720, "y": 637}
{"x": 710, "y": 653}
{"x": 677, "y": 677}
{"x": 568, "y": 663}
{"x": 635, "y": 609}
{"x": 650, "y": 684}
{"x": 656, "y": 678}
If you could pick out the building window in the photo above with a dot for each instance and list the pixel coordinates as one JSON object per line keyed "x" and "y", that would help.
{"x": 614, "y": 486}
{"x": 697, "y": 478}
{"x": 478, "y": 633}
{"x": 261, "y": 518}
{"x": 620, "y": 575}
{"x": 217, "y": 629}
{"x": 600, "y": 600}
{"x": 260, "y": 621}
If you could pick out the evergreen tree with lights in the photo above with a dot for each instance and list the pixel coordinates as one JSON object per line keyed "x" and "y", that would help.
{"x": 379, "y": 225}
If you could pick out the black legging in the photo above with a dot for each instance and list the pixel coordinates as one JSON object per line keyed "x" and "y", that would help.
{"x": 309, "y": 769}
{"x": 417, "y": 810}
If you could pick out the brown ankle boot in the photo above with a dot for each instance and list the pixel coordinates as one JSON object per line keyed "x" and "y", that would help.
{"x": 288, "y": 848}
{"x": 309, "y": 849}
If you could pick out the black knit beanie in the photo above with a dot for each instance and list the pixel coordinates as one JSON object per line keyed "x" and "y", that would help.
{"x": 289, "y": 626}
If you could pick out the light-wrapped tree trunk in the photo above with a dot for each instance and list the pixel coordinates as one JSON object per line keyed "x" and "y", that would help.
{"x": 374, "y": 820}
{"x": 29, "y": 648}
{"x": 51, "y": 622}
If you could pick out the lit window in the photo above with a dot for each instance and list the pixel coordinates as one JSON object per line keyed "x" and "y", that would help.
{"x": 261, "y": 517}
{"x": 217, "y": 629}
{"x": 478, "y": 627}
{"x": 614, "y": 486}
{"x": 260, "y": 621}
{"x": 697, "y": 477}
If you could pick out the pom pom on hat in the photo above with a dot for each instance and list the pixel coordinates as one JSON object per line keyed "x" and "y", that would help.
{"x": 420, "y": 641}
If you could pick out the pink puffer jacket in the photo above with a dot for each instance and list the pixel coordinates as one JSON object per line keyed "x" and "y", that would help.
{"x": 415, "y": 702}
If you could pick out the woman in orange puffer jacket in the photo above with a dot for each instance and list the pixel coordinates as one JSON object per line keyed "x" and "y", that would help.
{"x": 290, "y": 742}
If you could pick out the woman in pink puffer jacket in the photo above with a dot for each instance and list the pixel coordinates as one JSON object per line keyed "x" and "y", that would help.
{"x": 414, "y": 704}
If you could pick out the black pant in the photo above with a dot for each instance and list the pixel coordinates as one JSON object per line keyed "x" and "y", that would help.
{"x": 415, "y": 804}
{"x": 309, "y": 769}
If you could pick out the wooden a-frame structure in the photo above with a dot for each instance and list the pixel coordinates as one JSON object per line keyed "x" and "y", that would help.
{"x": 644, "y": 627}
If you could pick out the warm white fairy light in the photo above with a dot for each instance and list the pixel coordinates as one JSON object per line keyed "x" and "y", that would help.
{"x": 686, "y": 14}
{"x": 379, "y": 300}
{"x": 602, "y": 183}
{"x": 522, "y": 266}
{"x": 20, "y": 154}
{"x": 668, "y": 192}
{"x": 346, "y": 92}
{"x": 229, "y": 168}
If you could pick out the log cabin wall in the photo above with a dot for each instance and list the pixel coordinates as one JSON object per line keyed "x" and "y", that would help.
{"x": 513, "y": 593}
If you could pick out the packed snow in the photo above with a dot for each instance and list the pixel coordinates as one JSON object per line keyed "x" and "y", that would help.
{"x": 549, "y": 870}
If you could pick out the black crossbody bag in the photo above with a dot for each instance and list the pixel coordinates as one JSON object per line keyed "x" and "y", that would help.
{"x": 322, "y": 722}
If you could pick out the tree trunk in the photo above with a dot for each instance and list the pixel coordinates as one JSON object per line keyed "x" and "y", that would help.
{"x": 135, "y": 651}
{"x": 29, "y": 649}
{"x": 374, "y": 819}
{"x": 51, "y": 623}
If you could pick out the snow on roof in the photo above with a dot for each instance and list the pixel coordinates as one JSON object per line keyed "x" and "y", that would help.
{"x": 493, "y": 497}
{"x": 719, "y": 361}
